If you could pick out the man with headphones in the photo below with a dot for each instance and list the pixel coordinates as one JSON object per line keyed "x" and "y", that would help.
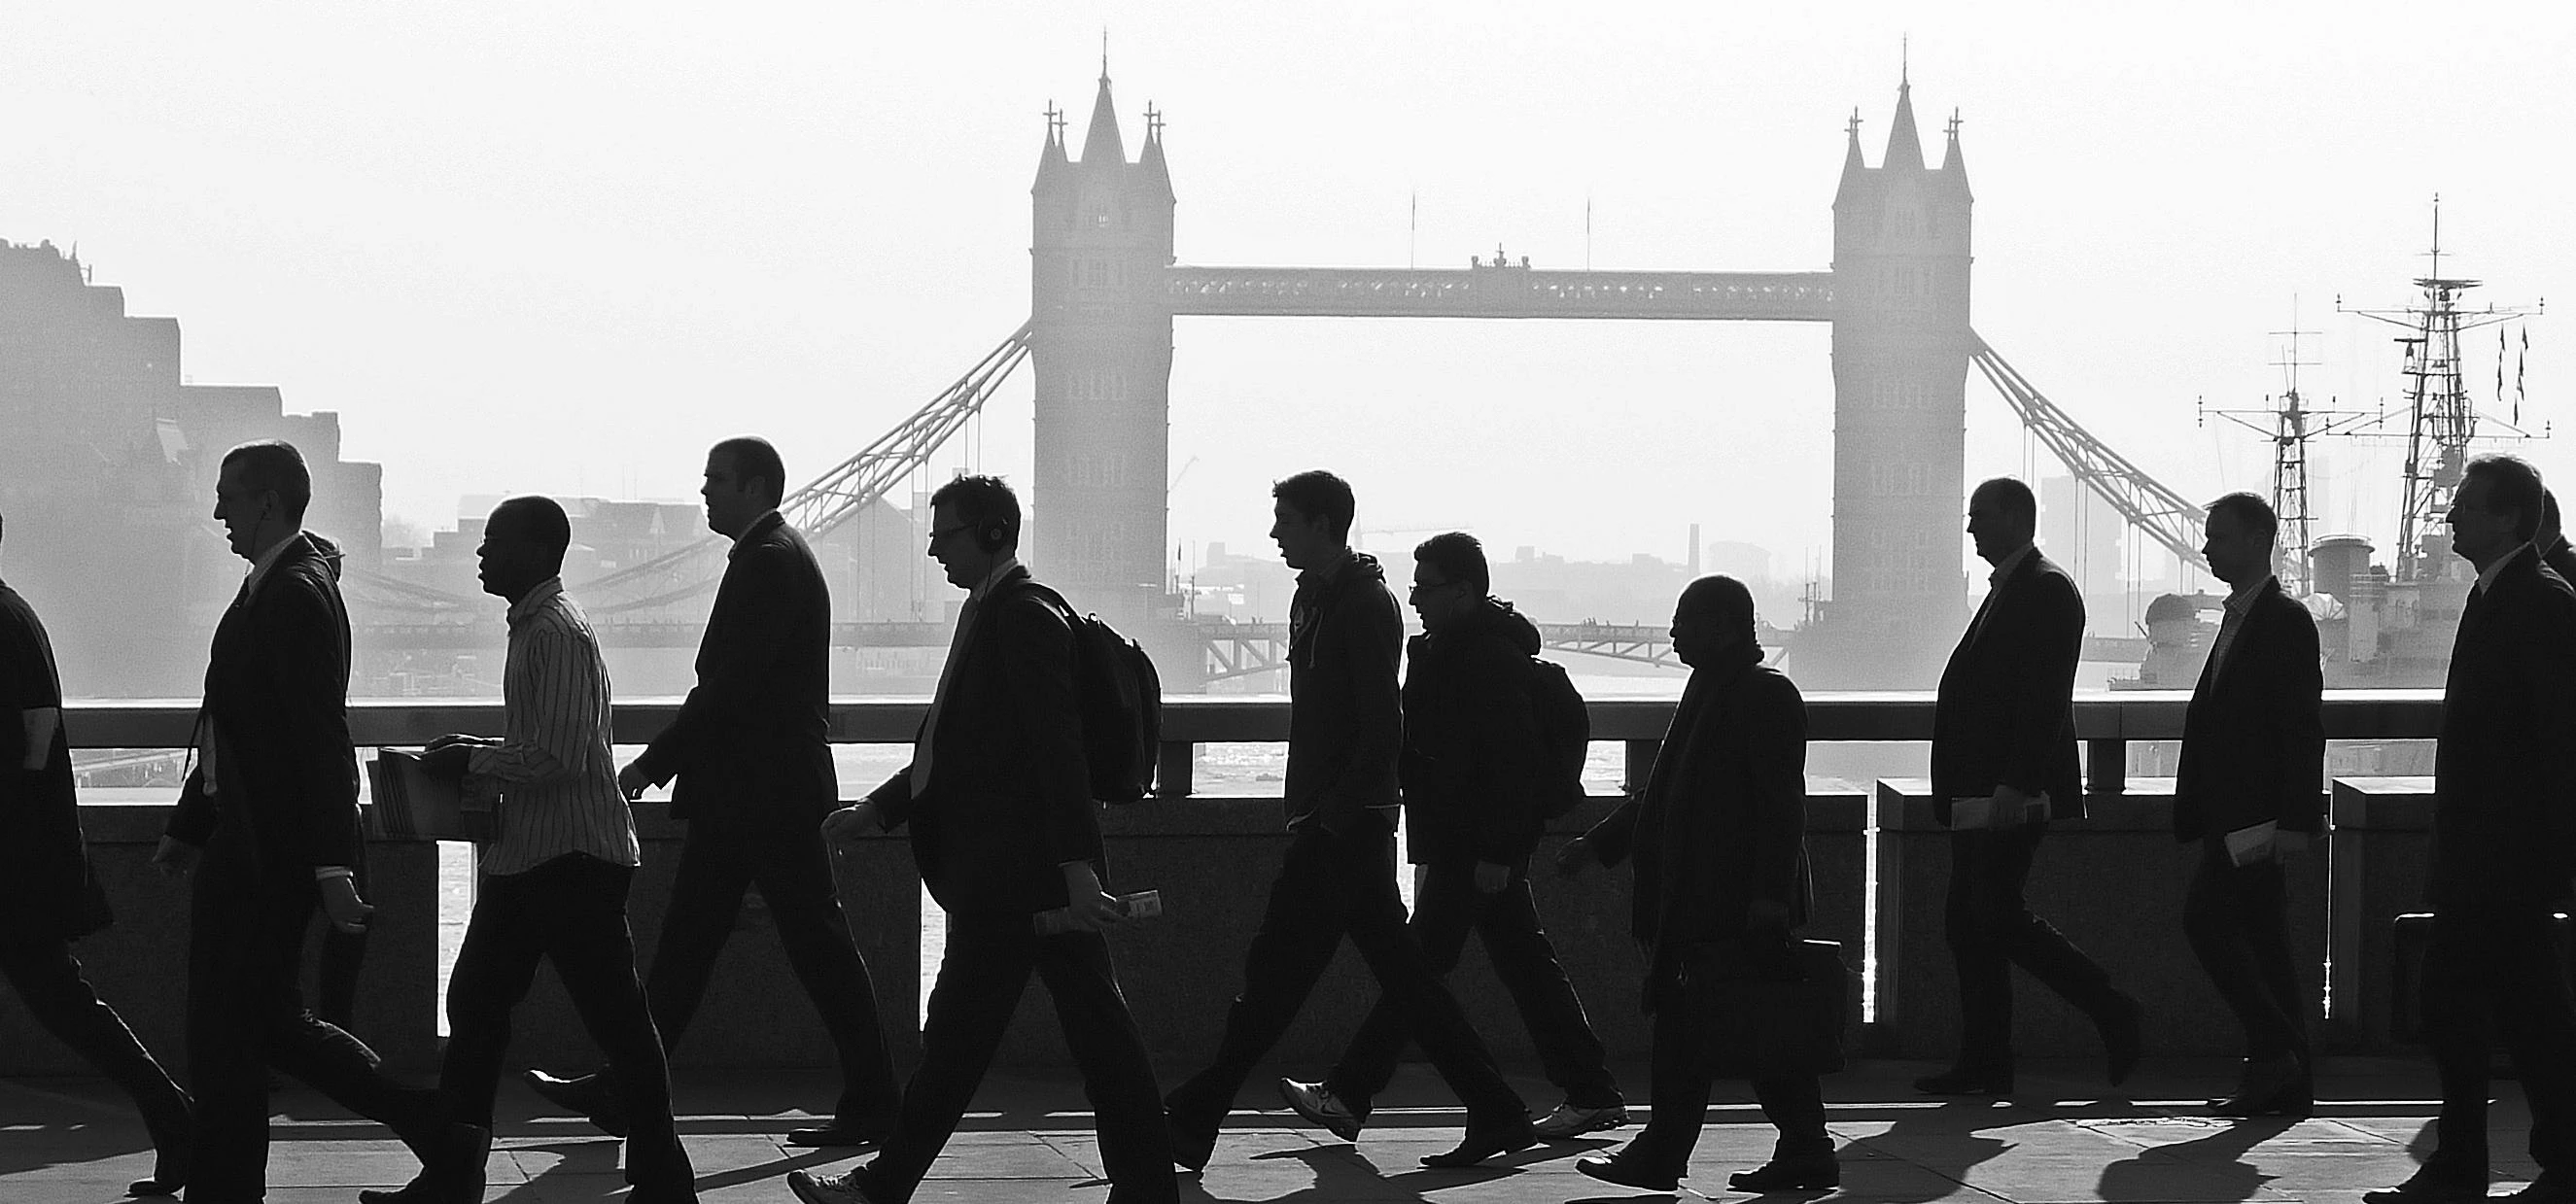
{"x": 998, "y": 797}
{"x": 755, "y": 781}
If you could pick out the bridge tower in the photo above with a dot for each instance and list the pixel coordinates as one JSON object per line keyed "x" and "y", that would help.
{"x": 1901, "y": 345}
{"x": 1101, "y": 353}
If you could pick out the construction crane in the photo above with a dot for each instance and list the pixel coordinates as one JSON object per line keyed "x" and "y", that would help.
{"x": 2146, "y": 503}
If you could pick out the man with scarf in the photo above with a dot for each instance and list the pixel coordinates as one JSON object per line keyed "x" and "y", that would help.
{"x": 1718, "y": 840}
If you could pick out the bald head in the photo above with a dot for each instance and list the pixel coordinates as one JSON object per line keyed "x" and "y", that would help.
{"x": 1713, "y": 619}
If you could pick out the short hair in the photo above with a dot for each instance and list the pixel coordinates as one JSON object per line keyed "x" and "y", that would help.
{"x": 2549, "y": 515}
{"x": 1728, "y": 597}
{"x": 986, "y": 502}
{"x": 2512, "y": 484}
{"x": 274, "y": 466}
{"x": 539, "y": 518}
{"x": 1459, "y": 557}
{"x": 754, "y": 458}
{"x": 1321, "y": 497}
{"x": 2250, "y": 512}
{"x": 2016, "y": 497}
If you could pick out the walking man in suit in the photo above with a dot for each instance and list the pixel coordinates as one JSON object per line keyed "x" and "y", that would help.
{"x": 2251, "y": 792}
{"x": 1473, "y": 777}
{"x": 998, "y": 798}
{"x": 1345, "y": 727}
{"x": 2551, "y": 540}
{"x": 2003, "y": 766}
{"x": 49, "y": 897}
{"x": 555, "y": 873}
{"x": 755, "y": 781}
{"x": 2504, "y": 848}
{"x": 268, "y": 826}
{"x": 1718, "y": 837}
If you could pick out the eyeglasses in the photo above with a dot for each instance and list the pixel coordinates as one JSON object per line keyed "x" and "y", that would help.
{"x": 940, "y": 533}
{"x": 1420, "y": 588}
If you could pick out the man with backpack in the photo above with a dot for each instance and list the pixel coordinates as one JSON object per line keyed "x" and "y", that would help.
{"x": 1337, "y": 878}
{"x": 1005, "y": 831}
{"x": 1491, "y": 752}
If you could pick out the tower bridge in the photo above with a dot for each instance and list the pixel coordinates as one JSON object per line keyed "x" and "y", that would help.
{"x": 1107, "y": 291}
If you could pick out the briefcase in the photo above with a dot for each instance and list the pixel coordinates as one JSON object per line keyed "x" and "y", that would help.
{"x": 2411, "y": 935}
{"x": 411, "y": 803}
{"x": 1772, "y": 1008}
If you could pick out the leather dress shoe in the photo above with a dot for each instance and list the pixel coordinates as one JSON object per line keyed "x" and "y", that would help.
{"x": 2429, "y": 1185}
{"x": 1790, "y": 1174}
{"x": 842, "y": 1188}
{"x": 160, "y": 1183}
{"x": 589, "y": 1096}
{"x": 1316, "y": 1104}
{"x": 1483, "y": 1142}
{"x": 1967, "y": 1080}
{"x": 2273, "y": 1087}
{"x": 840, "y": 1133}
{"x": 1620, "y": 1169}
{"x": 451, "y": 1171}
{"x": 2122, "y": 1038}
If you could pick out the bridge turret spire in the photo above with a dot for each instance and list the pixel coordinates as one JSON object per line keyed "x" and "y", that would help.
{"x": 1051, "y": 156}
{"x": 1954, "y": 169}
{"x": 1904, "y": 147}
{"x": 1102, "y": 144}
{"x": 1855, "y": 169}
{"x": 1157, "y": 174}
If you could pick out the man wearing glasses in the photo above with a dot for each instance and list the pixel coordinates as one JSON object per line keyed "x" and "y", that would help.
{"x": 1473, "y": 774}
{"x": 1345, "y": 726}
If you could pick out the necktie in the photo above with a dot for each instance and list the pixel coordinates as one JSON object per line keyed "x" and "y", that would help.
{"x": 920, "y": 777}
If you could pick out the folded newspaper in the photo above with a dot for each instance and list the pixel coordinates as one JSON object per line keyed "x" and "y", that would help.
{"x": 413, "y": 803}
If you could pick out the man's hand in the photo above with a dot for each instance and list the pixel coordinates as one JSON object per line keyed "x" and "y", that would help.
{"x": 846, "y": 827}
{"x": 1492, "y": 878}
{"x": 340, "y": 901}
{"x": 1766, "y": 915}
{"x": 175, "y": 857}
{"x": 632, "y": 780}
{"x": 2012, "y": 807}
{"x": 1576, "y": 854}
{"x": 1092, "y": 909}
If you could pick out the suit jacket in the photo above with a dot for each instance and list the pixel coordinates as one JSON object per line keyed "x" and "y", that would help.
{"x": 749, "y": 742}
{"x": 2006, "y": 714}
{"x": 2254, "y": 740}
{"x": 1722, "y": 821}
{"x": 47, "y": 892}
{"x": 1009, "y": 796}
{"x": 277, "y": 699}
{"x": 2504, "y": 818}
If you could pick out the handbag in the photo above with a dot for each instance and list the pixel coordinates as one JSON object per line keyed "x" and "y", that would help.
{"x": 1770, "y": 1007}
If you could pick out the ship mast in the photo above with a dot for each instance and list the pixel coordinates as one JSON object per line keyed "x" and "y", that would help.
{"x": 2289, "y": 424}
{"x": 2442, "y": 420}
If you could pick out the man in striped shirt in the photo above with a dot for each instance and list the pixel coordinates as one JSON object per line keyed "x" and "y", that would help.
{"x": 555, "y": 875}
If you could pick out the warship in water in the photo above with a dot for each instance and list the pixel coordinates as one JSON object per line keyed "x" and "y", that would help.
{"x": 2382, "y": 623}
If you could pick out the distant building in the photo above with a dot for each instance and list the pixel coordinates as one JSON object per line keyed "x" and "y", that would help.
{"x": 107, "y": 477}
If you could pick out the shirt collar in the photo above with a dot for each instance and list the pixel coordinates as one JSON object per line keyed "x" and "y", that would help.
{"x": 2004, "y": 568}
{"x": 267, "y": 560}
{"x": 2487, "y": 576}
{"x": 2242, "y": 598}
{"x": 545, "y": 593}
{"x": 1007, "y": 566}
{"x": 759, "y": 526}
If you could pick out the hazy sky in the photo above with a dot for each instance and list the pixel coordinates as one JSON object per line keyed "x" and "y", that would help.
{"x": 562, "y": 248}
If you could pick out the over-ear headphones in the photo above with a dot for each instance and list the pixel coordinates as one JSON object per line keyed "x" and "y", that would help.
{"x": 993, "y": 536}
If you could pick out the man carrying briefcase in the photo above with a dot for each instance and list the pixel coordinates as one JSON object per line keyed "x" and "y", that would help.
{"x": 1718, "y": 840}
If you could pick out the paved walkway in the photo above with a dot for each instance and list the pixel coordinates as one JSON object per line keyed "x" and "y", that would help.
{"x": 74, "y": 1142}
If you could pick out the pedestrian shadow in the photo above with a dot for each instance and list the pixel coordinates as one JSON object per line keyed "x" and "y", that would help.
{"x": 1340, "y": 1176}
{"x": 597, "y": 1158}
{"x": 1941, "y": 1144}
{"x": 2216, "y": 1164}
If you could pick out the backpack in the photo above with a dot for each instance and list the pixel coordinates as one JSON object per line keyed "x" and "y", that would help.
{"x": 1121, "y": 699}
{"x": 1565, "y": 736}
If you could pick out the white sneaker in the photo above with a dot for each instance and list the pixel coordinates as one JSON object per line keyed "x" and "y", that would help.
{"x": 842, "y": 1188}
{"x": 1316, "y": 1104}
{"x": 1570, "y": 1121}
